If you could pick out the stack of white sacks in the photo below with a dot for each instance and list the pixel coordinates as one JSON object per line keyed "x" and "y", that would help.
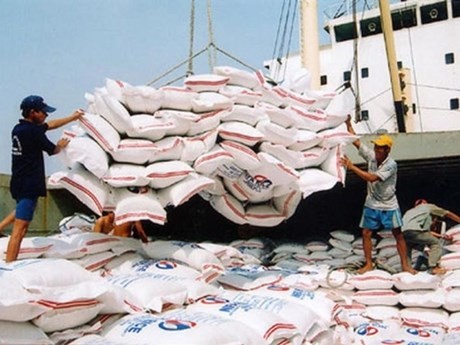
{"x": 80, "y": 287}
{"x": 252, "y": 150}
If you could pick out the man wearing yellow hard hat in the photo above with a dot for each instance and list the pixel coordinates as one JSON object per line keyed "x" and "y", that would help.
{"x": 381, "y": 209}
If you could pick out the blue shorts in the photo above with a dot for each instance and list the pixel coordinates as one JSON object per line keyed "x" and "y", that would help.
{"x": 25, "y": 209}
{"x": 380, "y": 219}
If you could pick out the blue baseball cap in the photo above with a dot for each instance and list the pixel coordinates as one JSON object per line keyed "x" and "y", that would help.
{"x": 37, "y": 103}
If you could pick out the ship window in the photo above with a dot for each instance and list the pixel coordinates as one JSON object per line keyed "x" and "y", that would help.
{"x": 371, "y": 26}
{"x": 347, "y": 76}
{"x": 454, "y": 105}
{"x": 433, "y": 12}
{"x": 365, "y": 72}
{"x": 364, "y": 115}
{"x": 323, "y": 80}
{"x": 449, "y": 57}
{"x": 414, "y": 108}
{"x": 456, "y": 8}
{"x": 405, "y": 18}
{"x": 345, "y": 32}
{"x": 400, "y": 64}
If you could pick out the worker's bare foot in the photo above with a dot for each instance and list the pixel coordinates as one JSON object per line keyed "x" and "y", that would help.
{"x": 410, "y": 270}
{"x": 438, "y": 270}
{"x": 366, "y": 268}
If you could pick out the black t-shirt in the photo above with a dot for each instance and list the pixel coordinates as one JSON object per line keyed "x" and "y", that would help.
{"x": 28, "y": 168}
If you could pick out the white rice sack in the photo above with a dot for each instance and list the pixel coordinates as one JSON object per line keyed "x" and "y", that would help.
{"x": 228, "y": 206}
{"x": 332, "y": 164}
{"x": 450, "y": 261}
{"x": 236, "y": 190}
{"x": 240, "y": 132}
{"x": 287, "y": 204}
{"x": 382, "y": 313}
{"x": 295, "y": 159}
{"x": 217, "y": 188}
{"x": 48, "y": 273}
{"x": 425, "y": 317}
{"x": 135, "y": 151}
{"x": 422, "y": 280}
{"x": 253, "y": 187}
{"x": 345, "y": 246}
{"x": 178, "y": 98}
{"x": 87, "y": 152}
{"x": 336, "y": 136}
{"x": 316, "y": 246}
{"x": 188, "y": 253}
{"x": 248, "y": 278}
{"x": 304, "y": 140}
{"x": 181, "y": 120}
{"x": 241, "y": 95}
{"x": 142, "y": 99}
{"x": 117, "y": 115}
{"x": 277, "y": 134}
{"x": 20, "y": 333}
{"x": 376, "y": 332}
{"x": 101, "y": 131}
{"x": 149, "y": 127}
{"x": 139, "y": 206}
{"x": 31, "y": 247}
{"x": 338, "y": 253}
{"x": 277, "y": 171}
{"x": 268, "y": 325}
{"x": 418, "y": 335}
{"x": 116, "y": 88}
{"x": 299, "y": 81}
{"x": 376, "y": 297}
{"x": 452, "y": 300}
{"x": 375, "y": 279}
{"x": 314, "y": 180}
{"x": 194, "y": 147}
{"x": 246, "y": 114}
{"x": 205, "y": 82}
{"x": 94, "y": 262}
{"x": 314, "y": 257}
{"x": 335, "y": 120}
{"x": 237, "y": 76}
{"x": 91, "y": 242}
{"x": 244, "y": 157}
{"x": 350, "y": 315}
{"x": 422, "y": 298}
{"x": 182, "y": 191}
{"x": 181, "y": 327}
{"x": 454, "y": 232}
{"x": 312, "y": 120}
{"x": 91, "y": 191}
{"x": 281, "y": 116}
{"x": 169, "y": 148}
{"x": 68, "y": 315}
{"x": 225, "y": 253}
{"x": 16, "y": 303}
{"x": 263, "y": 215}
{"x": 452, "y": 279}
{"x": 207, "y": 121}
{"x": 211, "y": 102}
{"x": 76, "y": 223}
{"x": 208, "y": 162}
{"x": 304, "y": 319}
{"x": 323, "y": 97}
{"x": 164, "y": 174}
{"x": 126, "y": 175}
{"x": 454, "y": 322}
{"x": 342, "y": 235}
{"x": 93, "y": 339}
{"x": 298, "y": 99}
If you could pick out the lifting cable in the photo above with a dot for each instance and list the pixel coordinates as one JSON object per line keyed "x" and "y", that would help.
{"x": 211, "y": 45}
{"x": 192, "y": 36}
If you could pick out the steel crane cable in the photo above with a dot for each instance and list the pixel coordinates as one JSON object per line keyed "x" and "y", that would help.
{"x": 192, "y": 36}
{"x": 211, "y": 51}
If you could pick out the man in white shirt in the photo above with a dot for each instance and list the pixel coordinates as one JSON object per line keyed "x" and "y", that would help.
{"x": 417, "y": 231}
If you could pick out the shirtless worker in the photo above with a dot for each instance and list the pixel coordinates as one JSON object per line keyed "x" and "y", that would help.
{"x": 106, "y": 225}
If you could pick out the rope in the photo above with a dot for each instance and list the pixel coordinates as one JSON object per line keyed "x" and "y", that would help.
{"x": 211, "y": 52}
{"x": 235, "y": 58}
{"x": 278, "y": 30}
{"x": 290, "y": 38}
{"x": 192, "y": 35}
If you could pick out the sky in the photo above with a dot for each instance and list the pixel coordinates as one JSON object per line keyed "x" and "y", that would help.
{"x": 62, "y": 49}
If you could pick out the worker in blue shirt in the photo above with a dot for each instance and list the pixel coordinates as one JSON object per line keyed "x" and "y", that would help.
{"x": 28, "y": 181}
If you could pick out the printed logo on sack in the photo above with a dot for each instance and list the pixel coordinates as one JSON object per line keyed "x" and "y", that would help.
{"x": 257, "y": 183}
{"x": 418, "y": 332}
{"x": 213, "y": 300}
{"x": 367, "y": 330}
{"x": 165, "y": 265}
{"x": 176, "y": 325}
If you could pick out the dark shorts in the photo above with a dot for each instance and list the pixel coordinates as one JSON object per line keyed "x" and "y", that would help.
{"x": 25, "y": 209}
{"x": 380, "y": 219}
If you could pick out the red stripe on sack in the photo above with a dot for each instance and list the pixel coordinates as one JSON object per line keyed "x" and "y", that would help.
{"x": 206, "y": 82}
{"x": 240, "y": 190}
{"x": 278, "y": 327}
{"x": 233, "y": 209}
{"x": 168, "y": 174}
{"x": 263, "y": 216}
{"x": 65, "y": 305}
{"x": 149, "y": 215}
{"x": 209, "y": 157}
{"x": 98, "y": 264}
{"x": 95, "y": 132}
{"x": 309, "y": 116}
{"x": 102, "y": 240}
{"x": 31, "y": 250}
{"x": 287, "y": 202}
{"x": 195, "y": 191}
{"x": 238, "y": 135}
{"x": 239, "y": 147}
{"x": 133, "y": 307}
{"x": 85, "y": 191}
{"x": 286, "y": 170}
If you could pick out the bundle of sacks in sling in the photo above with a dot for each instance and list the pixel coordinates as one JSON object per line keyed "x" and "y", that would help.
{"x": 251, "y": 149}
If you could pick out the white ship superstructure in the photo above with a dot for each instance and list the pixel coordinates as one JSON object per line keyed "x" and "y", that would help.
{"x": 426, "y": 35}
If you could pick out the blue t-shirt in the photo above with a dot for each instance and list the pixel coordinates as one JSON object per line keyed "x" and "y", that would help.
{"x": 28, "y": 168}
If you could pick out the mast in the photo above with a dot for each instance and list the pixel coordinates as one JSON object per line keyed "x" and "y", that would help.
{"x": 309, "y": 40}
{"x": 387, "y": 28}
